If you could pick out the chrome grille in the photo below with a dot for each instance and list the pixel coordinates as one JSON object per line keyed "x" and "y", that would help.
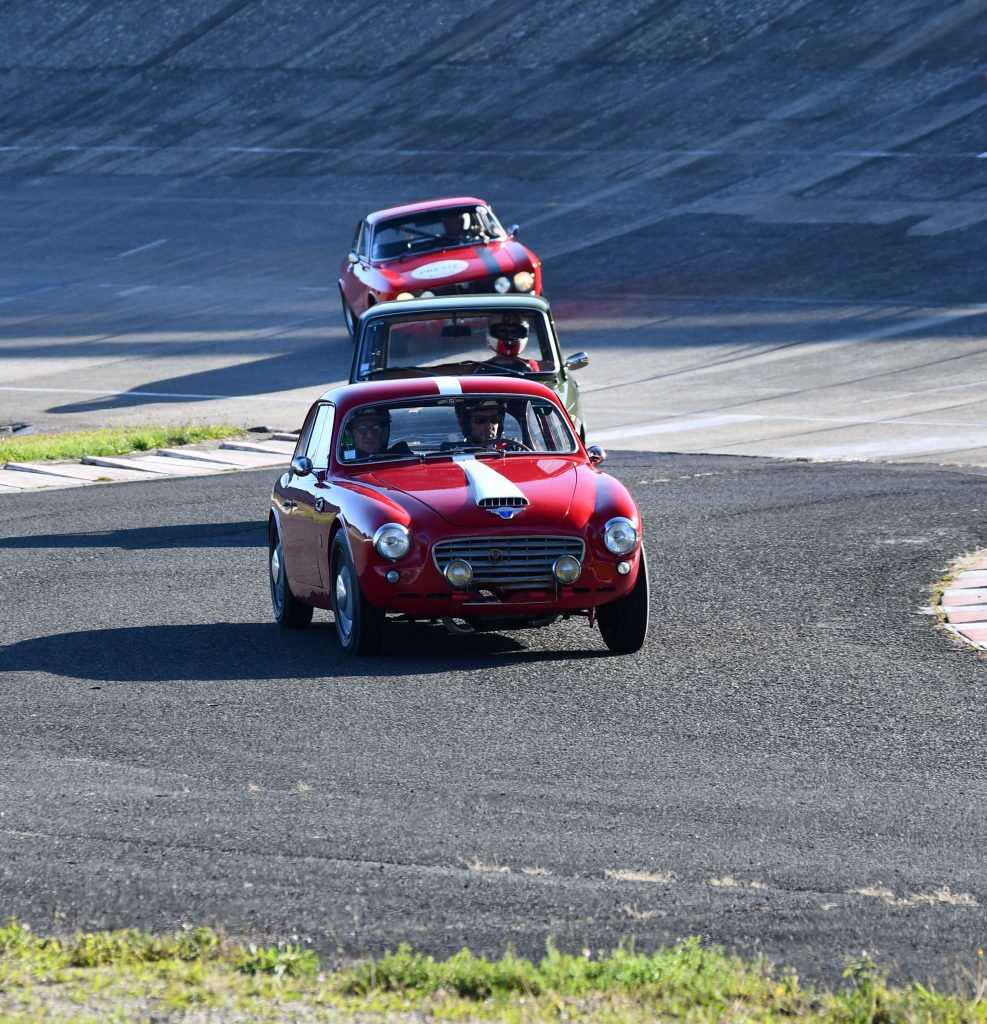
{"x": 508, "y": 560}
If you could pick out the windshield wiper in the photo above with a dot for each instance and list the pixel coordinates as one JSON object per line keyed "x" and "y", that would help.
{"x": 448, "y": 453}
{"x": 501, "y": 371}
{"x": 395, "y": 370}
{"x": 466, "y": 449}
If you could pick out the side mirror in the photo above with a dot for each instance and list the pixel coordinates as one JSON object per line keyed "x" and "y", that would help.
{"x": 596, "y": 454}
{"x": 577, "y": 361}
{"x": 301, "y": 465}
{"x": 513, "y": 230}
{"x": 351, "y": 257}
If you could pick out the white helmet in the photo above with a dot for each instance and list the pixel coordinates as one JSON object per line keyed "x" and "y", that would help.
{"x": 508, "y": 339}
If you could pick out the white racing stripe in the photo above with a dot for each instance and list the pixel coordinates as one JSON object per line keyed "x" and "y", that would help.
{"x": 486, "y": 482}
{"x": 687, "y": 423}
{"x": 448, "y": 385}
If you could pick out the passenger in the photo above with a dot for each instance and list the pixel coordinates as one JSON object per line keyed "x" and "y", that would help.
{"x": 369, "y": 432}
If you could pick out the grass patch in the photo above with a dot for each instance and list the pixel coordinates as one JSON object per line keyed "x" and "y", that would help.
{"x": 109, "y": 441}
{"x": 196, "y": 975}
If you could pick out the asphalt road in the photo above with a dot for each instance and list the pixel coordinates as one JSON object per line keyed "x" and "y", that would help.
{"x": 793, "y": 765}
{"x": 764, "y": 222}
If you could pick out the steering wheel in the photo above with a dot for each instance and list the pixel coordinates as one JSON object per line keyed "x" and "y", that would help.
{"x": 513, "y": 444}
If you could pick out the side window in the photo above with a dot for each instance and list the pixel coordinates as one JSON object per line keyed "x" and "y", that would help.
{"x": 305, "y": 434}
{"x": 546, "y": 431}
{"x": 317, "y": 448}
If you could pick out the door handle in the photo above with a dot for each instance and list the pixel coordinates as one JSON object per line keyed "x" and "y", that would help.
{"x": 288, "y": 503}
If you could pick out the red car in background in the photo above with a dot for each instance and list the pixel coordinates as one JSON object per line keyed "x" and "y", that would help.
{"x": 453, "y": 246}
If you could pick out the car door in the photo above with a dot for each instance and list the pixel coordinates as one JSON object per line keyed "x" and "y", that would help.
{"x": 565, "y": 384}
{"x": 305, "y": 503}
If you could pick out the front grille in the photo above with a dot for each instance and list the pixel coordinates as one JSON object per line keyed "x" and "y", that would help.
{"x": 474, "y": 286}
{"x": 499, "y": 561}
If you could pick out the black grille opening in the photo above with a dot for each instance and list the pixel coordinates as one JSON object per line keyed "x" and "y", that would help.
{"x": 517, "y": 502}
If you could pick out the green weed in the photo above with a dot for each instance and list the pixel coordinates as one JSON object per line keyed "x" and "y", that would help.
{"x": 110, "y": 441}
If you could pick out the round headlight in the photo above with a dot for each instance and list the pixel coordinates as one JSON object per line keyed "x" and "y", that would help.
{"x": 459, "y": 573}
{"x": 392, "y": 541}
{"x": 566, "y": 568}
{"x": 524, "y": 280}
{"x": 427, "y": 295}
{"x": 405, "y": 295}
{"x": 502, "y": 285}
{"x": 620, "y": 536}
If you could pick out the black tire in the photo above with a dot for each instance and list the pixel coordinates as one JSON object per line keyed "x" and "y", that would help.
{"x": 288, "y": 610}
{"x": 624, "y": 622}
{"x": 348, "y": 316}
{"x": 359, "y": 625}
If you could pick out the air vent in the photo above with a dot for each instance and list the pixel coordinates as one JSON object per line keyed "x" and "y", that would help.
{"x": 518, "y": 501}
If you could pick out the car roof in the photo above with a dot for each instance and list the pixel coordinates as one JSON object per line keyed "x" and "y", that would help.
{"x": 427, "y": 204}
{"x": 456, "y": 304}
{"x": 348, "y": 396}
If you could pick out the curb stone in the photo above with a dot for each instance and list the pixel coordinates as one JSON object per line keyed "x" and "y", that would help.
{"x": 964, "y": 601}
{"x": 273, "y": 448}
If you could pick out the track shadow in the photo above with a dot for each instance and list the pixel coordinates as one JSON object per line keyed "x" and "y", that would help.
{"x": 224, "y": 651}
{"x": 307, "y": 367}
{"x": 249, "y": 533}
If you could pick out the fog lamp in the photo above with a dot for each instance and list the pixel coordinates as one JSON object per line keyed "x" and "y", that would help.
{"x": 502, "y": 285}
{"x": 459, "y": 573}
{"x": 623, "y": 568}
{"x": 524, "y": 280}
{"x": 566, "y": 568}
{"x": 405, "y": 295}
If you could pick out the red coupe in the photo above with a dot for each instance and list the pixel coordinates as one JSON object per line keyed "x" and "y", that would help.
{"x": 465, "y": 500}
{"x": 452, "y": 246}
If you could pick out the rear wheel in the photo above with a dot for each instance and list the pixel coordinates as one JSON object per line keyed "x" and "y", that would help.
{"x": 624, "y": 622}
{"x": 288, "y": 610}
{"x": 359, "y": 625}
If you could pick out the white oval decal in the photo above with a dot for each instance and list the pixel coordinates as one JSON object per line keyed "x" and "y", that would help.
{"x": 444, "y": 268}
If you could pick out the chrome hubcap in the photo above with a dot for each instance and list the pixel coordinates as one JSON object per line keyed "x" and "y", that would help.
{"x": 277, "y": 591}
{"x": 344, "y": 609}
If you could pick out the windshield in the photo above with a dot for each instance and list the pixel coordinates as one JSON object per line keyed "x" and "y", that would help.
{"x": 429, "y": 230}
{"x": 482, "y": 342}
{"x": 496, "y": 424}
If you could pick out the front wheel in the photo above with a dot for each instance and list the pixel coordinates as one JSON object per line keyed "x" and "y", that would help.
{"x": 359, "y": 625}
{"x": 348, "y": 316}
{"x": 288, "y": 610}
{"x": 624, "y": 622}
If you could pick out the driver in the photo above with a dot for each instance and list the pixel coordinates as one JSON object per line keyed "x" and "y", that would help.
{"x": 482, "y": 421}
{"x": 457, "y": 225}
{"x": 508, "y": 341}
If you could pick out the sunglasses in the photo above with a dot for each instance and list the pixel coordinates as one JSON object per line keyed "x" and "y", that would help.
{"x": 494, "y": 418}
{"x": 366, "y": 428}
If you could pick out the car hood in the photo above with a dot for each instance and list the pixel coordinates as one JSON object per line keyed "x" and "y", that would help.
{"x": 471, "y": 492}
{"x": 463, "y": 263}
